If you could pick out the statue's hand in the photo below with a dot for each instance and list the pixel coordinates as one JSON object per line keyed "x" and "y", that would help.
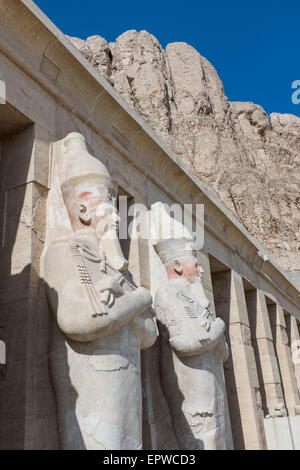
{"x": 144, "y": 296}
{"x": 217, "y": 329}
{"x": 145, "y": 327}
{"x": 109, "y": 283}
{"x": 223, "y": 349}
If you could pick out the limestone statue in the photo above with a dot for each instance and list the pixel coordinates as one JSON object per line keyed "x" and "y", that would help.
{"x": 193, "y": 341}
{"x": 101, "y": 319}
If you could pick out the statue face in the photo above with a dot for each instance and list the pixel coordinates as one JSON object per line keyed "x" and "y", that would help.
{"x": 102, "y": 219}
{"x": 191, "y": 268}
{"x": 102, "y": 216}
{"x": 106, "y": 220}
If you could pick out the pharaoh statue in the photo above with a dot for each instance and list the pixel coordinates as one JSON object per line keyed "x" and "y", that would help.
{"x": 193, "y": 344}
{"x": 101, "y": 320}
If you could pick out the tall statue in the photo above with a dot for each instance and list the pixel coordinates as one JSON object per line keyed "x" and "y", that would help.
{"x": 193, "y": 344}
{"x": 101, "y": 318}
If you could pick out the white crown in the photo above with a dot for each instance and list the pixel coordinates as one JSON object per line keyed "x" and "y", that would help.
{"x": 170, "y": 238}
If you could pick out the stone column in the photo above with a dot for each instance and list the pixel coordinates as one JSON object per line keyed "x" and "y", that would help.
{"x": 286, "y": 366}
{"x": 272, "y": 394}
{"x": 240, "y": 369}
{"x": 203, "y": 259}
{"x": 138, "y": 265}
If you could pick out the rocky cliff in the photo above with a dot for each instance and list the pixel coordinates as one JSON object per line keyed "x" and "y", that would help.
{"x": 249, "y": 160}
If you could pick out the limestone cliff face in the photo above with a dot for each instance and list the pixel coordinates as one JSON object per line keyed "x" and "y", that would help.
{"x": 250, "y": 161}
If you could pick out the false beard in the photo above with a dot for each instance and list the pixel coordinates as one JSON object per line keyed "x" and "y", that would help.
{"x": 110, "y": 244}
{"x": 197, "y": 290}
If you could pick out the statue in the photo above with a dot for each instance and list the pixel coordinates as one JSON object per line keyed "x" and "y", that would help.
{"x": 193, "y": 344}
{"x": 101, "y": 319}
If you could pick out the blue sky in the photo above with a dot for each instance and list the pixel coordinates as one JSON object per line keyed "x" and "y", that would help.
{"x": 255, "y": 46}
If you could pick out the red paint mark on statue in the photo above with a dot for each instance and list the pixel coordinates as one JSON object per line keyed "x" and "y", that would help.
{"x": 84, "y": 194}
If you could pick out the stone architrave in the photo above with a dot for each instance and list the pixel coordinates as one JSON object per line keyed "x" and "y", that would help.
{"x": 101, "y": 319}
{"x": 193, "y": 341}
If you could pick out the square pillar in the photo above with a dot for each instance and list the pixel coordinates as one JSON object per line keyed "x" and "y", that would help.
{"x": 286, "y": 366}
{"x": 268, "y": 369}
{"x": 240, "y": 370}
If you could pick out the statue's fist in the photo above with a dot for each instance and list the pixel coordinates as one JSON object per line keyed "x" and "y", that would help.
{"x": 145, "y": 296}
{"x": 109, "y": 283}
{"x": 218, "y": 327}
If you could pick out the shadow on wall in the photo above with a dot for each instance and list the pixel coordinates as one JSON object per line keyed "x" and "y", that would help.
{"x": 158, "y": 429}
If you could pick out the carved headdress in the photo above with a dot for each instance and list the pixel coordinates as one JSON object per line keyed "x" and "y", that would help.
{"x": 170, "y": 238}
{"x": 86, "y": 176}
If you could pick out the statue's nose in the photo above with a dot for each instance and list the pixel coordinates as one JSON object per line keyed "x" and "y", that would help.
{"x": 115, "y": 218}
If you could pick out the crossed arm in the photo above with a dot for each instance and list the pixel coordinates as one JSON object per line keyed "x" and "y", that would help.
{"x": 71, "y": 305}
{"x": 186, "y": 335}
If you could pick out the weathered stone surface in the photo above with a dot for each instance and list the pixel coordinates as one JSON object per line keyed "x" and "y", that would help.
{"x": 99, "y": 326}
{"x": 192, "y": 341}
{"x": 248, "y": 159}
